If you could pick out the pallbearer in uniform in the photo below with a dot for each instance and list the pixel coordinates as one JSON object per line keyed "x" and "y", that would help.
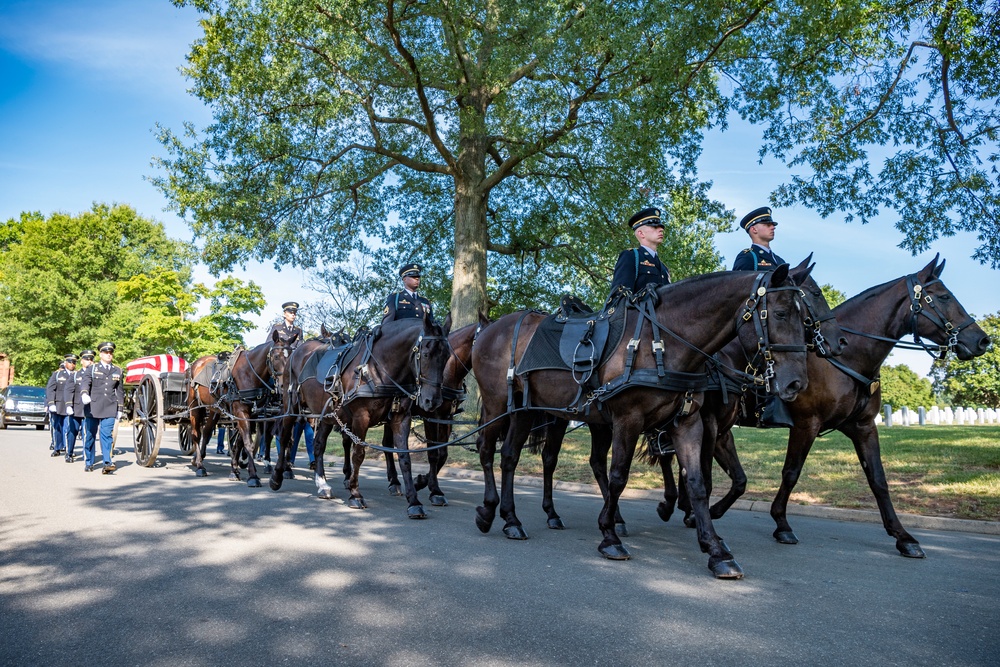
{"x": 407, "y": 302}
{"x": 287, "y": 330}
{"x": 81, "y": 411}
{"x": 638, "y": 267}
{"x": 759, "y": 256}
{"x": 101, "y": 389}
{"x": 59, "y": 398}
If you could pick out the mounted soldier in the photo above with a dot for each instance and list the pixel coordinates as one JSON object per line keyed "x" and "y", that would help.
{"x": 759, "y": 256}
{"x": 407, "y": 303}
{"x": 638, "y": 267}
{"x": 288, "y": 332}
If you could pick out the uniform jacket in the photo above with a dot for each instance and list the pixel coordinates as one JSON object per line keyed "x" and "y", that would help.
{"x": 59, "y": 390}
{"x": 104, "y": 387}
{"x": 400, "y": 306}
{"x": 79, "y": 409}
{"x": 285, "y": 332}
{"x": 757, "y": 258}
{"x": 637, "y": 268}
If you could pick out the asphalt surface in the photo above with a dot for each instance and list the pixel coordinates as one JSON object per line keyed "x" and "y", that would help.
{"x": 153, "y": 566}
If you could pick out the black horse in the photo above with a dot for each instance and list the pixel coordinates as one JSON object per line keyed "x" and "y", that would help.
{"x": 250, "y": 382}
{"x": 845, "y": 395}
{"x": 437, "y": 423}
{"x": 399, "y": 361}
{"x": 690, "y": 320}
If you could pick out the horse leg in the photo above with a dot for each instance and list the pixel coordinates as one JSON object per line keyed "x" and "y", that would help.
{"x": 320, "y": 437}
{"x": 866, "y": 444}
{"x": 625, "y": 434}
{"x": 691, "y": 451}
{"x": 600, "y": 445}
{"x": 486, "y": 442}
{"x": 355, "y": 500}
{"x": 243, "y": 422}
{"x": 436, "y": 434}
{"x": 510, "y": 454}
{"x": 347, "y": 463}
{"x": 665, "y": 508}
{"x": 284, "y": 431}
{"x": 554, "y": 435}
{"x": 399, "y": 425}
{"x": 799, "y": 443}
{"x": 729, "y": 461}
{"x": 390, "y": 462}
{"x": 205, "y": 420}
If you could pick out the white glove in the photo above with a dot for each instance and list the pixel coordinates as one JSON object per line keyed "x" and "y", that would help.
{"x": 86, "y": 399}
{"x": 53, "y": 408}
{"x": 119, "y": 417}
{"x": 69, "y": 411}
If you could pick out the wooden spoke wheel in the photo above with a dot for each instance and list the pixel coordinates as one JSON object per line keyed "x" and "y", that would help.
{"x": 184, "y": 437}
{"x": 147, "y": 420}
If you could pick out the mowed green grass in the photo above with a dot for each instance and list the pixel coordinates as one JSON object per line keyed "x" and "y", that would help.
{"x": 950, "y": 471}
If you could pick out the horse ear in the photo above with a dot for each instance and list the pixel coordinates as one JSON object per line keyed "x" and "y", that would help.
{"x": 804, "y": 263}
{"x": 779, "y": 276}
{"x": 323, "y": 331}
{"x": 940, "y": 269}
{"x": 800, "y": 274}
{"x": 928, "y": 271}
{"x": 274, "y": 336}
{"x": 447, "y": 324}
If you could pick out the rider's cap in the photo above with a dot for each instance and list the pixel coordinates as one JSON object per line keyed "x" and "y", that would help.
{"x": 106, "y": 347}
{"x": 647, "y": 216}
{"x": 409, "y": 270}
{"x": 71, "y": 358}
{"x": 290, "y": 305}
{"x": 757, "y": 216}
{"x": 87, "y": 354}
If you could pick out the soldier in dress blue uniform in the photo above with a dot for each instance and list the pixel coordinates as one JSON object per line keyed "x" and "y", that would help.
{"x": 59, "y": 398}
{"x": 287, "y": 331}
{"x": 407, "y": 302}
{"x": 80, "y": 411}
{"x": 101, "y": 389}
{"x": 638, "y": 267}
{"x": 759, "y": 256}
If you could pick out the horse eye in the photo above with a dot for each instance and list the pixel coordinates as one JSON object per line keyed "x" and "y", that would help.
{"x": 781, "y": 314}
{"x": 945, "y": 297}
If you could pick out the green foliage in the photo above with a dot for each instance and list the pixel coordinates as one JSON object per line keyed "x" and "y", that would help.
{"x": 69, "y": 282}
{"x": 833, "y": 296}
{"x": 901, "y": 386}
{"x": 974, "y": 383}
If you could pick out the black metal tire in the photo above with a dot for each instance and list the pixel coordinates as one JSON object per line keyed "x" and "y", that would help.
{"x": 184, "y": 437}
{"x": 147, "y": 420}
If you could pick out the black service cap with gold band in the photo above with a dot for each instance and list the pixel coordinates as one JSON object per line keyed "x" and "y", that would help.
{"x": 757, "y": 216}
{"x": 647, "y": 216}
{"x": 409, "y": 270}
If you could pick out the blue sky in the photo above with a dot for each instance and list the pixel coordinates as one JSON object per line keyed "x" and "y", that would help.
{"x": 82, "y": 85}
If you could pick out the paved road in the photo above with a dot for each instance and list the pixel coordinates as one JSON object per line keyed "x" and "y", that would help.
{"x": 155, "y": 567}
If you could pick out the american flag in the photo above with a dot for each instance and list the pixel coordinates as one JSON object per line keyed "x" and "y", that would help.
{"x": 153, "y": 365}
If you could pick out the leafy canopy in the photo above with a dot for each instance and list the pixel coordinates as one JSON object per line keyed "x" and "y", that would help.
{"x": 974, "y": 383}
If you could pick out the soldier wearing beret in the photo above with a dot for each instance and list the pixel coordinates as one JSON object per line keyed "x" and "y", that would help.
{"x": 101, "y": 389}
{"x": 759, "y": 256}
{"x": 78, "y": 422}
{"x": 407, "y": 303}
{"x": 59, "y": 399}
{"x": 288, "y": 333}
{"x": 638, "y": 267}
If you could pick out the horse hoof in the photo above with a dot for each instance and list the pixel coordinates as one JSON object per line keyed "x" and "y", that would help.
{"x": 621, "y": 530}
{"x": 910, "y": 550}
{"x": 201, "y": 472}
{"x": 326, "y": 493}
{"x": 726, "y": 569}
{"x": 269, "y": 468}
{"x": 664, "y": 511}
{"x": 439, "y": 501}
{"x": 690, "y": 522}
{"x": 394, "y": 490}
{"x": 416, "y": 512}
{"x": 614, "y": 551}
{"x": 234, "y": 477}
{"x": 347, "y": 484}
{"x": 356, "y": 503}
{"x": 420, "y": 482}
{"x": 786, "y": 537}
{"x": 483, "y": 521}
{"x": 514, "y": 532}
{"x": 254, "y": 482}
{"x": 556, "y": 524}
{"x": 275, "y": 483}
{"x": 288, "y": 474}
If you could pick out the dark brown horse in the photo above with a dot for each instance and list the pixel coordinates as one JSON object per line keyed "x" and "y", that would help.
{"x": 437, "y": 424}
{"x": 845, "y": 394}
{"x": 250, "y": 383}
{"x": 825, "y": 338}
{"x": 401, "y": 361}
{"x": 690, "y": 320}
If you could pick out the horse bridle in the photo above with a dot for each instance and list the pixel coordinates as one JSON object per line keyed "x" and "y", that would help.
{"x": 755, "y": 310}
{"x": 920, "y": 302}
{"x": 415, "y": 362}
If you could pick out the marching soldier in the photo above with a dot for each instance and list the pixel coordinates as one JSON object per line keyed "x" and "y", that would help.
{"x": 78, "y": 422}
{"x": 407, "y": 302}
{"x": 759, "y": 256}
{"x": 638, "y": 267}
{"x": 101, "y": 389}
{"x": 59, "y": 398}
{"x": 287, "y": 331}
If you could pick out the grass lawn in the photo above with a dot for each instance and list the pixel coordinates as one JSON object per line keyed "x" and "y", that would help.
{"x": 951, "y": 471}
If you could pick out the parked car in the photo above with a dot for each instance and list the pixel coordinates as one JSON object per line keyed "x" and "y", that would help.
{"x": 21, "y": 404}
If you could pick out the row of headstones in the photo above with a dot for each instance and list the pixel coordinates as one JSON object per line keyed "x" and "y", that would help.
{"x": 938, "y": 416}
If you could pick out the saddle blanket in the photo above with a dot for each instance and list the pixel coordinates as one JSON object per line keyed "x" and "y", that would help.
{"x": 549, "y": 349}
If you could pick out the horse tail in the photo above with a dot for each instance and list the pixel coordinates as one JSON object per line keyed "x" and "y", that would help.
{"x": 646, "y": 454}
{"x": 539, "y": 434}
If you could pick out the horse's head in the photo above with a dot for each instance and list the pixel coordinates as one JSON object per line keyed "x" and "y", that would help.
{"x": 277, "y": 357}
{"x": 334, "y": 338}
{"x": 431, "y": 353}
{"x": 936, "y": 314}
{"x": 770, "y": 327}
{"x": 826, "y": 337}
{"x": 461, "y": 342}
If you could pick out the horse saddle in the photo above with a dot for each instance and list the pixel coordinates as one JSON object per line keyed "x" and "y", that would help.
{"x": 327, "y": 366}
{"x": 215, "y": 374}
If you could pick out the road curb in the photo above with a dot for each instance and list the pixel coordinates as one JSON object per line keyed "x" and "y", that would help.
{"x": 910, "y": 521}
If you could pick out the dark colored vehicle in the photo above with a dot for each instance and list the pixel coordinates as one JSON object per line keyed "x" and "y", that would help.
{"x": 20, "y": 404}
